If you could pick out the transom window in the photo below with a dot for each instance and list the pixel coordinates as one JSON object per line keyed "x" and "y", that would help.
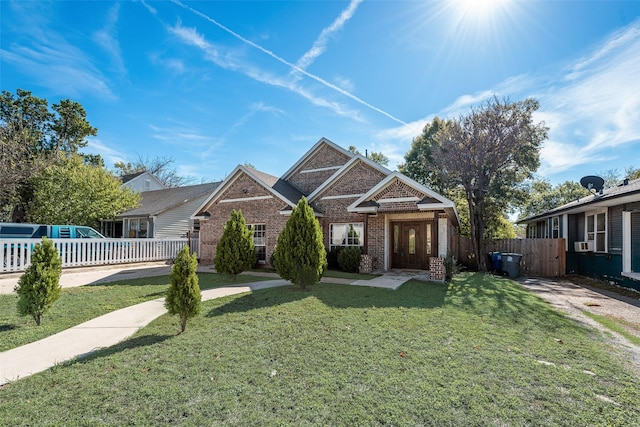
{"x": 260, "y": 240}
{"x": 597, "y": 231}
{"x": 342, "y": 235}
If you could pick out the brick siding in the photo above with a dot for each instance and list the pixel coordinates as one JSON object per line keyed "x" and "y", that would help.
{"x": 325, "y": 157}
{"x": 265, "y": 211}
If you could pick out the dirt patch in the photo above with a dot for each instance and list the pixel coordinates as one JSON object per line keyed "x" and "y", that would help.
{"x": 576, "y": 298}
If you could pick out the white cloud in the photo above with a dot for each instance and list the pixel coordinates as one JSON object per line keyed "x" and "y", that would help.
{"x": 107, "y": 38}
{"x": 110, "y": 156}
{"x": 591, "y": 107}
{"x": 51, "y": 60}
{"x": 197, "y": 40}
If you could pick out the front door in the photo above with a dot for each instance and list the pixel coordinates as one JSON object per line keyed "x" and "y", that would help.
{"x": 412, "y": 244}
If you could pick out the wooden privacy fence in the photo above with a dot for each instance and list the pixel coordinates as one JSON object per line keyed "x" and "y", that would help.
{"x": 540, "y": 257}
{"x": 15, "y": 255}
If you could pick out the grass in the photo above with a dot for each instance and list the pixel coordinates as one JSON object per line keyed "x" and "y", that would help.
{"x": 479, "y": 351}
{"x": 336, "y": 274}
{"x": 619, "y": 326}
{"x": 77, "y": 305}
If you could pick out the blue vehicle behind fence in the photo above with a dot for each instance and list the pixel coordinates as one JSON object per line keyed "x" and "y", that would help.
{"x": 80, "y": 245}
{"x": 15, "y": 253}
{"x": 12, "y": 230}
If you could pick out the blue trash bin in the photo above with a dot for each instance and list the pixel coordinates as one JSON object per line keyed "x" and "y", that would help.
{"x": 496, "y": 261}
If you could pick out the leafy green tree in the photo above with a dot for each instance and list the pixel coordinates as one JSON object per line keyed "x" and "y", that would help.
{"x": 71, "y": 192}
{"x": 488, "y": 154}
{"x": 235, "y": 251}
{"x": 543, "y": 196}
{"x": 300, "y": 255}
{"x": 184, "y": 297}
{"x": 35, "y": 136}
{"x": 379, "y": 158}
{"x": 39, "y": 287}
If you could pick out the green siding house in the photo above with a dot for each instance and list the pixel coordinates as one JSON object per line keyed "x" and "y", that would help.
{"x": 601, "y": 231}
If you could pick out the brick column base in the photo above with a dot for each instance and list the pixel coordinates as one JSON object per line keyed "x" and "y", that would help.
{"x": 436, "y": 269}
{"x": 366, "y": 264}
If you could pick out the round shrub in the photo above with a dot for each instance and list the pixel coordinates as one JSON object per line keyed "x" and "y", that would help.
{"x": 349, "y": 259}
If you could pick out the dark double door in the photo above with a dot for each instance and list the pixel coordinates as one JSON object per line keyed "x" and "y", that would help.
{"x": 412, "y": 244}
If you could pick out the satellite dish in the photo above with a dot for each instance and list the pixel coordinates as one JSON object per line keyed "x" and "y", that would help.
{"x": 592, "y": 182}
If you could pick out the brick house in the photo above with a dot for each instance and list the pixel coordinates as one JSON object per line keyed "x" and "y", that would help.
{"x": 397, "y": 222}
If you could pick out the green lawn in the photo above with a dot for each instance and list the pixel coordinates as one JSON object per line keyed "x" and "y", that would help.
{"x": 77, "y": 305}
{"x": 479, "y": 351}
{"x": 344, "y": 275}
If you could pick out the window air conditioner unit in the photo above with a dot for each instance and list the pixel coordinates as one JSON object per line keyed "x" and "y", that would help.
{"x": 584, "y": 246}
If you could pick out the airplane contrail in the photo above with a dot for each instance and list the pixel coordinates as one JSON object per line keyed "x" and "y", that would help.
{"x": 289, "y": 64}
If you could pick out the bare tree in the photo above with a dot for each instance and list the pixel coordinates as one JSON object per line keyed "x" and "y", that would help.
{"x": 161, "y": 167}
{"x": 488, "y": 153}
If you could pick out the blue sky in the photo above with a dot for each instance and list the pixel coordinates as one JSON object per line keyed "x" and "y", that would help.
{"x": 213, "y": 84}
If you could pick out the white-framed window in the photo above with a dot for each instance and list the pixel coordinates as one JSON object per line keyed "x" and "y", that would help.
{"x": 596, "y": 230}
{"x": 555, "y": 227}
{"x": 260, "y": 241}
{"x": 341, "y": 235}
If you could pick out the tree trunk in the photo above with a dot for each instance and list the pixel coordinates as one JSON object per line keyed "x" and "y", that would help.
{"x": 183, "y": 323}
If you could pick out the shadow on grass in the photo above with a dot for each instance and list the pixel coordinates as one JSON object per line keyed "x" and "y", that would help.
{"x": 494, "y": 296}
{"x": 7, "y": 327}
{"x": 137, "y": 342}
{"x": 413, "y": 294}
{"x": 140, "y": 281}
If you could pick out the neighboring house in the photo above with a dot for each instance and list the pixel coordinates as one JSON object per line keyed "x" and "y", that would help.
{"x": 397, "y": 222}
{"x": 163, "y": 213}
{"x": 142, "y": 181}
{"x": 602, "y": 233}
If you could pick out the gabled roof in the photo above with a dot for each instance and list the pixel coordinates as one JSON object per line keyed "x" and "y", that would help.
{"x": 432, "y": 201}
{"x": 311, "y": 152}
{"x": 127, "y": 180}
{"x": 157, "y": 201}
{"x": 357, "y": 158}
{"x": 129, "y": 177}
{"x": 276, "y": 186}
{"x": 613, "y": 196}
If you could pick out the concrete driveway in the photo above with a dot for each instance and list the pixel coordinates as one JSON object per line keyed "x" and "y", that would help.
{"x": 575, "y": 299}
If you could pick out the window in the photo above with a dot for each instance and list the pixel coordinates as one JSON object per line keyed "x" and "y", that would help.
{"x": 396, "y": 237}
{"x": 260, "y": 241}
{"x": 597, "y": 231}
{"x": 412, "y": 241}
{"x": 346, "y": 234}
{"x": 138, "y": 227}
{"x": 555, "y": 227}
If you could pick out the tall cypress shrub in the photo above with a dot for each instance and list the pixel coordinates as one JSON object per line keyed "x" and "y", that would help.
{"x": 300, "y": 255}
{"x": 39, "y": 286}
{"x": 235, "y": 251}
{"x": 184, "y": 297}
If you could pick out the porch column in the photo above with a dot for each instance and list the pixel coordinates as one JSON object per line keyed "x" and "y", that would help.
{"x": 443, "y": 238}
{"x": 626, "y": 241}
{"x": 565, "y": 231}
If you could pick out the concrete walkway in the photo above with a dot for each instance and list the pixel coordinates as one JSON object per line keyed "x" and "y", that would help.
{"x": 114, "y": 327}
{"x": 101, "y": 332}
{"x": 72, "y": 277}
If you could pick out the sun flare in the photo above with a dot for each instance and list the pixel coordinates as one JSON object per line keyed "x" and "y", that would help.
{"x": 479, "y": 10}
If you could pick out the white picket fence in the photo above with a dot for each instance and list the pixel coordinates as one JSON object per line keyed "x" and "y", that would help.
{"x": 15, "y": 255}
